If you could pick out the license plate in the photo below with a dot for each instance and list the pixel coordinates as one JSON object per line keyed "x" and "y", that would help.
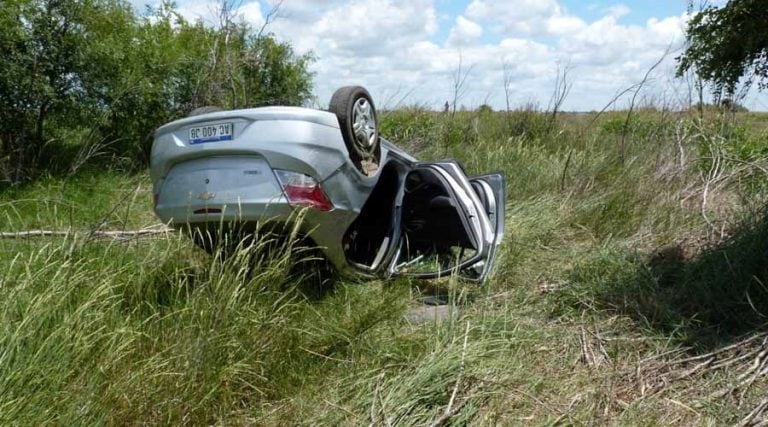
{"x": 210, "y": 133}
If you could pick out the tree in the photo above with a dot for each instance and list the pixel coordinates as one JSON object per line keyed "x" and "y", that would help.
{"x": 273, "y": 74}
{"x": 43, "y": 45}
{"x": 77, "y": 73}
{"x": 726, "y": 44}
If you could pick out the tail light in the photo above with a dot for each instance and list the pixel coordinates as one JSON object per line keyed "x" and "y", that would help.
{"x": 303, "y": 190}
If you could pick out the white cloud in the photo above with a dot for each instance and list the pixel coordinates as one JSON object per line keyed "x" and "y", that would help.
{"x": 397, "y": 47}
{"x": 199, "y": 10}
{"x": 619, "y": 10}
{"x": 369, "y": 27}
{"x": 207, "y": 11}
{"x": 251, "y": 14}
{"x": 562, "y": 25}
{"x": 515, "y": 17}
{"x": 360, "y": 41}
{"x": 607, "y": 43}
{"x": 464, "y": 32}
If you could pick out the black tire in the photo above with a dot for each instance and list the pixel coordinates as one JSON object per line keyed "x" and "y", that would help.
{"x": 353, "y": 105}
{"x": 204, "y": 110}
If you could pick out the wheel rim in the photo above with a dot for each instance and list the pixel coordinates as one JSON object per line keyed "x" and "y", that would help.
{"x": 364, "y": 124}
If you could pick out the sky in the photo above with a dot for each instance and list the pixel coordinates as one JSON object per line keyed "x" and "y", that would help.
{"x": 409, "y": 52}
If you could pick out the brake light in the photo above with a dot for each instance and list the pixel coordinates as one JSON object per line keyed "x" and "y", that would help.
{"x": 303, "y": 190}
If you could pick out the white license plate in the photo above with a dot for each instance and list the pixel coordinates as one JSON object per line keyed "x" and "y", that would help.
{"x": 210, "y": 133}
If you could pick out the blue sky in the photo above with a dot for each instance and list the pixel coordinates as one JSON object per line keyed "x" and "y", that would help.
{"x": 407, "y": 51}
{"x": 639, "y": 11}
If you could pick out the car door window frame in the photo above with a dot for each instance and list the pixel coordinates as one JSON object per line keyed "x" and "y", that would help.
{"x": 467, "y": 208}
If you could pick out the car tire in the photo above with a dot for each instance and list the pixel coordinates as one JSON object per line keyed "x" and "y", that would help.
{"x": 204, "y": 110}
{"x": 354, "y": 108}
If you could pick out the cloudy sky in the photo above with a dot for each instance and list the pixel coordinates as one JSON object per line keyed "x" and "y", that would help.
{"x": 409, "y": 51}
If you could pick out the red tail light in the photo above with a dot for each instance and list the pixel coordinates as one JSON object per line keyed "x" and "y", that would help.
{"x": 303, "y": 190}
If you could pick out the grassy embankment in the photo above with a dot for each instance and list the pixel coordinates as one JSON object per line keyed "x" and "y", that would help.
{"x": 632, "y": 247}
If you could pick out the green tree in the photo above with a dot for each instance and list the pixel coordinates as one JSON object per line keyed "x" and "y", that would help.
{"x": 727, "y": 44}
{"x": 78, "y": 73}
{"x": 274, "y": 75}
{"x": 41, "y": 43}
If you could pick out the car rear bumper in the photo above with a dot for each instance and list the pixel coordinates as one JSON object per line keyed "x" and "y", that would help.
{"x": 218, "y": 193}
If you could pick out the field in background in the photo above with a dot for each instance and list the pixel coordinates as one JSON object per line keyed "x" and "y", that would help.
{"x": 632, "y": 287}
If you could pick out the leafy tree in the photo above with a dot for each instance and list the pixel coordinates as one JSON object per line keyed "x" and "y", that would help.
{"x": 41, "y": 44}
{"x": 728, "y": 43}
{"x": 274, "y": 74}
{"x": 78, "y": 73}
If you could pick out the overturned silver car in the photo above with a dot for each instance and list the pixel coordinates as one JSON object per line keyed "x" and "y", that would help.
{"x": 371, "y": 208}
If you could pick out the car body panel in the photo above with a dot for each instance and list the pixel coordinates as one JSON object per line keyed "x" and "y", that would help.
{"x": 493, "y": 188}
{"x": 242, "y": 186}
{"x": 199, "y": 182}
{"x": 296, "y": 139}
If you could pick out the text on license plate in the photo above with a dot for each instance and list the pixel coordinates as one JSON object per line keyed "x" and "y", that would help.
{"x": 210, "y": 133}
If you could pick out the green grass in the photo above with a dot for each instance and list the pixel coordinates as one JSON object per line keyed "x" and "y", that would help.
{"x": 606, "y": 251}
{"x": 91, "y": 199}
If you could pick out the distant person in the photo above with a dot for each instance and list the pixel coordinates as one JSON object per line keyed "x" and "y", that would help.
{"x": 446, "y": 107}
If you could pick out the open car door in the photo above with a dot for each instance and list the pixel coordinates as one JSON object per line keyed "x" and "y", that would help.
{"x": 449, "y": 224}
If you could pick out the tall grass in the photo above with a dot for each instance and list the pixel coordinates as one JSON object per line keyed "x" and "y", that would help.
{"x": 600, "y": 243}
{"x": 155, "y": 332}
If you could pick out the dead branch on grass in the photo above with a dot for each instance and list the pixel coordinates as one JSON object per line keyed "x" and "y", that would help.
{"x": 752, "y": 418}
{"x": 117, "y": 235}
{"x": 746, "y": 358}
{"x": 593, "y": 352}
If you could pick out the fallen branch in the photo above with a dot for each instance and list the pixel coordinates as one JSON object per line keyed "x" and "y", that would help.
{"x": 104, "y": 234}
{"x": 748, "y": 358}
{"x": 737, "y": 345}
{"x": 448, "y": 415}
{"x": 752, "y": 417}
